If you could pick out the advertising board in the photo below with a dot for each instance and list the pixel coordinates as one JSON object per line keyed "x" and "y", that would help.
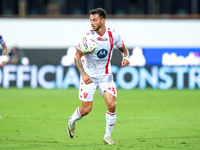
{"x": 55, "y": 69}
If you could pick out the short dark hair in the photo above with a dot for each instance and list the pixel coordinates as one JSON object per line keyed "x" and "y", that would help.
{"x": 100, "y": 11}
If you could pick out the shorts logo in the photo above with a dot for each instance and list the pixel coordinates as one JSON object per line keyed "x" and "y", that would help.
{"x": 102, "y": 53}
{"x": 85, "y": 95}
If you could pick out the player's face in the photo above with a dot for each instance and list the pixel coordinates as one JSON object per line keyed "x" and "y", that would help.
{"x": 96, "y": 22}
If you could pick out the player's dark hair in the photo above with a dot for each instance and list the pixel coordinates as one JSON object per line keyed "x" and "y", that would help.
{"x": 100, "y": 11}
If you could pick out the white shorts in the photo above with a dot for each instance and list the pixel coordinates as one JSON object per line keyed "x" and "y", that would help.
{"x": 104, "y": 83}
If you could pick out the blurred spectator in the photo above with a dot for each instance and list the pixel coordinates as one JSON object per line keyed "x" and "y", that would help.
{"x": 16, "y": 56}
{"x": 4, "y": 57}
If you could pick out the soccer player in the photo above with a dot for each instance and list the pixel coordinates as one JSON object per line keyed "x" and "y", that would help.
{"x": 4, "y": 58}
{"x": 95, "y": 70}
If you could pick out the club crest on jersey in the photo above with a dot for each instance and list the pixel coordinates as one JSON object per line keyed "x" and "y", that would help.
{"x": 102, "y": 53}
{"x": 102, "y": 39}
{"x": 85, "y": 95}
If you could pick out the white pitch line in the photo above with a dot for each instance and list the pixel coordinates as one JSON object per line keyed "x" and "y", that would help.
{"x": 145, "y": 117}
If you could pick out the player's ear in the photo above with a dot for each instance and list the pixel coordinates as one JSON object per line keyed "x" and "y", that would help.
{"x": 103, "y": 20}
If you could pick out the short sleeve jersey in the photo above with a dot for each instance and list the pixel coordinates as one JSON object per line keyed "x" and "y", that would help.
{"x": 1, "y": 40}
{"x": 99, "y": 62}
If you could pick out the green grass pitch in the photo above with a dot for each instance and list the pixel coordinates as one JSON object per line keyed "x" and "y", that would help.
{"x": 36, "y": 119}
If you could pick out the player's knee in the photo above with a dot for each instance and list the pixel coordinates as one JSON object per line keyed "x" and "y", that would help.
{"x": 111, "y": 107}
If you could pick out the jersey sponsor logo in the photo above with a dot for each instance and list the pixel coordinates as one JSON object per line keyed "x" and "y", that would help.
{"x": 102, "y": 53}
{"x": 102, "y": 39}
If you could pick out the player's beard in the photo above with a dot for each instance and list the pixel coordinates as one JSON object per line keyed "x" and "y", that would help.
{"x": 97, "y": 28}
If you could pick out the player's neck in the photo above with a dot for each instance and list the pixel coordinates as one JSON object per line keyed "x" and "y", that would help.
{"x": 101, "y": 31}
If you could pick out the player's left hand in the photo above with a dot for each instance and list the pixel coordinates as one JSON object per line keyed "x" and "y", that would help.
{"x": 125, "y": 62}
{"x": 3, "y": 64}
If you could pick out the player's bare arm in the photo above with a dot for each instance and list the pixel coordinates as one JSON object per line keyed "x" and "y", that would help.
{"x": 77, "y": 60}
{"x": 125, "y": 55}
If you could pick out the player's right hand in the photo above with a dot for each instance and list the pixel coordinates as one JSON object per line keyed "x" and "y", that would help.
{"x": 86, "y": 78}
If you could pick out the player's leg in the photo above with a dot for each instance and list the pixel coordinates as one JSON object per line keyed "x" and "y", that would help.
{"x": 110, "y": 117}
{"x": 110, "y": 102}
{"x": 81, "y": 111}
{"x": 86, "y": 108}
{"x": 108, "y": 90}
{"x": 77, "y": 115}
{"x": 86, "y": 92}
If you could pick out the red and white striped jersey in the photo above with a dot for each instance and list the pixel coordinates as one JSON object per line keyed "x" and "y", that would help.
{"x": 99, "y": 62}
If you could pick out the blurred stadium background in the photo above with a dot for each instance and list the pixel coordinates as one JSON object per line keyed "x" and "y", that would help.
{"x": 161, "y": 35}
